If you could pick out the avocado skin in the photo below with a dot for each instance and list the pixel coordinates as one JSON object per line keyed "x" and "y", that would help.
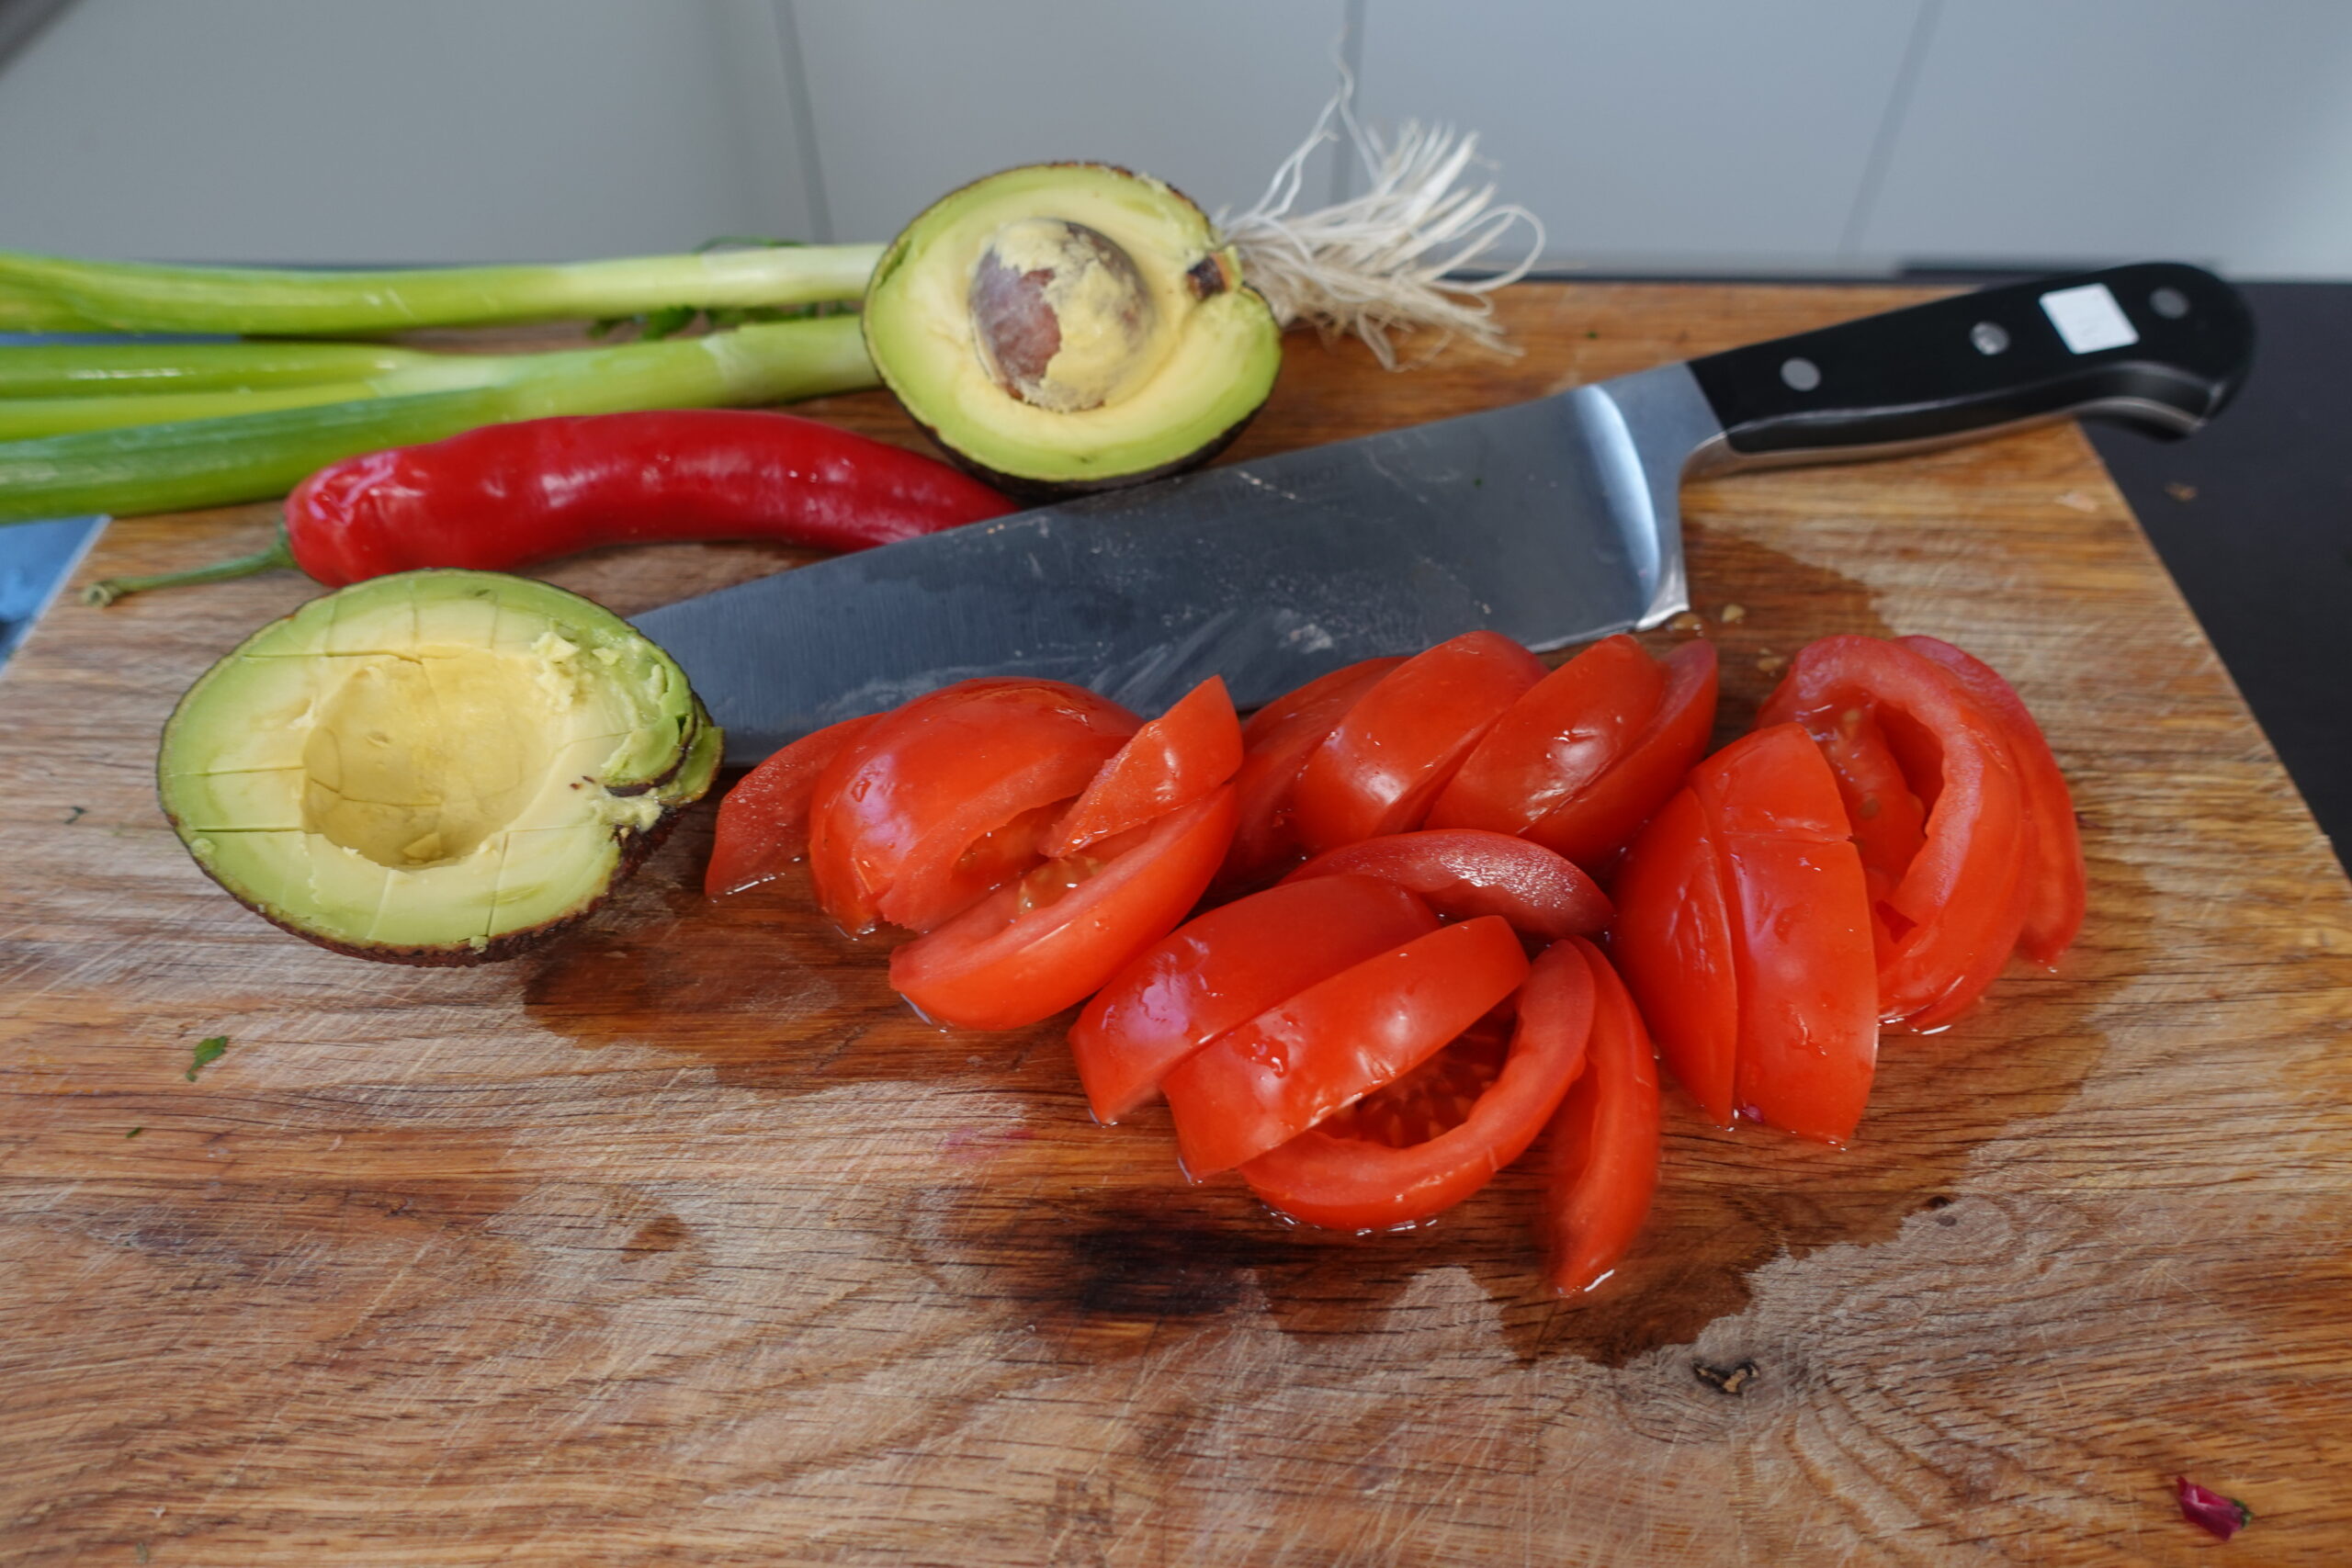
{"x": 1044, "y": 492}
{"x": 1209, "y": 273}
{"x": 690, "y": 771}
{"x": 636, "y": 848}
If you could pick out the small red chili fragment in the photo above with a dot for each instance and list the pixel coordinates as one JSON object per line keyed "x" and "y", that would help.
{"x": 2208, "y": 1509}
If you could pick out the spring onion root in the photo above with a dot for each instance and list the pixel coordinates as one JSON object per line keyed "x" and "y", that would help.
{"x": 1392, "y": 259}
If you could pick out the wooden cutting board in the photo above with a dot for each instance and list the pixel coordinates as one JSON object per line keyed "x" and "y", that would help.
{"x": 685, "y": 1242}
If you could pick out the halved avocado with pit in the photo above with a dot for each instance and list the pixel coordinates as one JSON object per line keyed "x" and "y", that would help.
{"x": 1070, "y": 327}
{"x": 437, "y": 767}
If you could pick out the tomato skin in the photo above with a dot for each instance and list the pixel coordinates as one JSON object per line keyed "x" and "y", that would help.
{"x": 1220, "y": 970}
{"x": 1802, "y": 943}
{"x": 1464, "y": 870}
{"x": 1263, "y": 1084}
{"x": 1563, "y": 733}
{"x": 1384, "y": 762}
{"x": 1672, "y": 944}
{"x": 1594, "y": 828}
{"x": 898, "y": 808}
{"x": 1277, "y": 741}
{"x": 1170, "y": 762}
{"x": 1961, "y": 892}
{"x": 998, "y": 965}
{"x": 1605, "y": 1144}
{"x": 2057, "y": 882}
{"x": 1353, "y": 1184}
{"x": 764, "y": 822}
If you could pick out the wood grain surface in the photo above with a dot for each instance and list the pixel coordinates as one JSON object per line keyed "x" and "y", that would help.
{"x": 685, "y": 1242}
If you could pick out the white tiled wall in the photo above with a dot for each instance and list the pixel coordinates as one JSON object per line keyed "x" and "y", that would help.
{"x": 1675, "y": 135}
{"x": 2209, "y": 130}
{"x": 343, "y": 131}
{"x": 910, "y": 98}
{"x": 1665, "y": 132}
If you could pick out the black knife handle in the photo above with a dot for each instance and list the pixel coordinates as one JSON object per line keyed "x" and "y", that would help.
{"x": 2157, "y": 344}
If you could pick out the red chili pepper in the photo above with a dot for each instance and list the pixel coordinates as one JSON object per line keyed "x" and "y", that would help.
{"x": 508, "y": 495}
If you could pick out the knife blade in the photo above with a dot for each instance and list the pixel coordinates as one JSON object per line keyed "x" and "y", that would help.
{"x": 1551, "y": 520}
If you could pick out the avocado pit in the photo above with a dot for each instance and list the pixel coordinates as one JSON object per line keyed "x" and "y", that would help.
{"x": 1060, "y": 316}
{"x": 1065, "y": 328}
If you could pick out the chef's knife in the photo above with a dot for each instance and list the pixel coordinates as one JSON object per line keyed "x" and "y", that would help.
{"x": 1551, "y": 520}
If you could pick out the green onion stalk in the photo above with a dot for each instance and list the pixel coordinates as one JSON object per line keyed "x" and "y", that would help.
{"x": 63, "y": 294}
{"x": 126, "y": 369}
{"x": 29, "y": 418}
{"x": 238, "y": 457}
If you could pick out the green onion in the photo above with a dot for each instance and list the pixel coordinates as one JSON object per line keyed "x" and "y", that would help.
{"x": 62, "y": 294}
{"x": 28, "y": 418}
{"x": 112, "y": 369}
{"x": 37, "y": 313}
{"x": 251, "y": 457}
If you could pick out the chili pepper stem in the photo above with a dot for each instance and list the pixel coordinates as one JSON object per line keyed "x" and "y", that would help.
{"x": 279, "y": 555}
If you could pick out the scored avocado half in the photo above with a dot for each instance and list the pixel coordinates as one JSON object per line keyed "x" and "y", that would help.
{"x": 1070, "y": 327}
{"x": 437, "y": 767}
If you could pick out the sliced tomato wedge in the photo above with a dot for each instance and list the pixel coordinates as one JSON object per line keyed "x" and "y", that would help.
{"x": 1052, "y": 937}
{"x": 1263, "y": 1084}
{"x": 1466, "y": 871}
{"x": 1418, "y": 1145}
{"x": 1170, "y": 762}
{"x": 1605, "y": 1144}
{"x": 764, "y": 822}
{"x": 1673, "y": 945}
{"x": 1889, "y": 822}
{"x": 1800, "y": 933}
{"x": 1955, "y": 915}
{"x": 1384, "y": 762}
{"x": 1219, "y": 971}
{"x": 2057, "y": 882}
{"x": 1593, "y": 827}
{"x": 1563, "y": 733}
{"x": 900, "y": 822}
{"x": 1277, "y": 741}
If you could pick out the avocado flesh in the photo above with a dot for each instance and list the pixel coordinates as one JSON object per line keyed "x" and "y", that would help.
{"x": 1211, "y": 362}
{"x": 437, "y": 767}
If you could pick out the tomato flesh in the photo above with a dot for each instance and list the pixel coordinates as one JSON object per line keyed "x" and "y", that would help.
{"x": 897, "y": 812}
{"x": 1277, "y": 741}
{"x": 1605, "y": 1144}
{"x": 764, "y": 822}
{"x": 1424, "y": 1142}
{"x": 1672, "y": 944}
{"x": 1267, "y": 1082}
{"x": 1384, "y": 762}
{"x": 2057, "y": 882}
{"x": 1800, "y": 933}
{"x": 1170, "y": 762}
{"x": 1463, "y": 872}
{"x": 1054, "y": 936}
{"x": 1563, "y": 733}
{"x": 1223, "y": 968}
{"x": 1593, "y": 827}
{"x": 1889, "y": 822}
{"x": 1961, "y": 892}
